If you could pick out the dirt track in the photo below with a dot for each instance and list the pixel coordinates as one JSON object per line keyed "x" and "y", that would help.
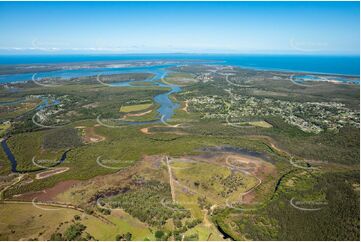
{"x": 51, "y": 172}
{"x": 170, "y": 179}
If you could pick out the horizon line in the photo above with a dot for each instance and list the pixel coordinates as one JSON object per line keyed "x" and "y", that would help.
{"x": 179, "y": 53}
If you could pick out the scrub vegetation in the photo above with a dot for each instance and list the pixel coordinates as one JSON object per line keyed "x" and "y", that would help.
{"x": 247, "y": 155}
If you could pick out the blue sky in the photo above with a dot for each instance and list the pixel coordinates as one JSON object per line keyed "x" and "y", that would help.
{"x": 158, "y": 27}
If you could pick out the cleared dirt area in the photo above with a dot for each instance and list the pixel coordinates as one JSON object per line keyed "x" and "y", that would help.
{"x": 253, "y": 166}
{"x": 250, "y": 165}
{"x": 136, "y": 114}
{"x": 51, "y": 172}
{"x": 145, "y": 131}
{"x": 148, "y": 132}
{"x": 89, "y": 135}
{"x": 185, "y": 108}
{"x": 149, "y": 167}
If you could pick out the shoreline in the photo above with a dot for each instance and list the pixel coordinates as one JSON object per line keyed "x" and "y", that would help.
{"x": 294, "y": 63}
{"x": 97, "y": 68}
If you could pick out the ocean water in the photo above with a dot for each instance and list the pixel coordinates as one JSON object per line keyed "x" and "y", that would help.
{"x": 343, "y": 65}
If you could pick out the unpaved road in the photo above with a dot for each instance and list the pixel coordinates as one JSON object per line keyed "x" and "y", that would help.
{"x": 170, "y": 179}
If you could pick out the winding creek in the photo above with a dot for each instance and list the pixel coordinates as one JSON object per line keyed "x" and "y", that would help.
{"x": 14, "y": 162}
{"x": 166, "y": 105}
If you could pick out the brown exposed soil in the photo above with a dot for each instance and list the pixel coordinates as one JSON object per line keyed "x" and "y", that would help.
{"x": 47, "y": 194}
{"x": 145, "y": 131}
{"x": 85, "y": 191}
{"x": 136, "y": 114}
{"x": 185, "y": 108}
{"x": 254, "y": 166}
{"x": 90, "y": 136}
{"x": 249, "y": 198}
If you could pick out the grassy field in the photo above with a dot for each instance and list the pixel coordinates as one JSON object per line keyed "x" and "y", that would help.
{"x": 123, "y": 223}
{"x": 24, "y": 221}
{"x": 180, "y": 78}
{"x": 3, "y": 128}
{"x": 15, "y": 111}
{"x": 135, "y": 108}
{"x": 209, "y": 180}
{"x": 204, "y": 233}
{"x": 128, "y": 159}
{"x": 83, "y": 158}
{"x": 262, "y": 124}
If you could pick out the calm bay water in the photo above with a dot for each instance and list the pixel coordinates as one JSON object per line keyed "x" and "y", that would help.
{"x": 345, "y": 65}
